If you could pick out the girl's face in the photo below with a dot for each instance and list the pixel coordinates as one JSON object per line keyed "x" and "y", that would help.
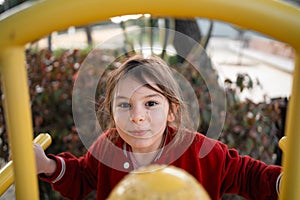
{"x": 140, "y": 115}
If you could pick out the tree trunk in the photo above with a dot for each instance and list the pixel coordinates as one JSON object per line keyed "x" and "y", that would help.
{"x": 185, "y": 43}
{"x": 88, "y": 32}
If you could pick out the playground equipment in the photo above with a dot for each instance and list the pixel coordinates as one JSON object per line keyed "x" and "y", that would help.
{"x": 7, "y": 174}
{"x": 37, "y": 19}
{"x": 159, "y": 182}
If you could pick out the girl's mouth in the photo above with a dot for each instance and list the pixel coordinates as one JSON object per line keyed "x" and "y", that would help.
{"x": 138, "y": 133}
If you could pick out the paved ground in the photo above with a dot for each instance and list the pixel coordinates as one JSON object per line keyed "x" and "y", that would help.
{"x": 273, "y": 72}
{"x": 9, "y": 194}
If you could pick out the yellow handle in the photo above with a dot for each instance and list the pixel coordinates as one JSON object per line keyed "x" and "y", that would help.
{"x": 6, "y": 172}
{"x": 283, "y": 143}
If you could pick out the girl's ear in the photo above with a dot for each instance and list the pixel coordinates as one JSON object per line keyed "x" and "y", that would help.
{"x": 172, "y": 112}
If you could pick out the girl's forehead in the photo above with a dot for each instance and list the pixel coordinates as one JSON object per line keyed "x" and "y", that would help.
{"x": 128, "y": 87}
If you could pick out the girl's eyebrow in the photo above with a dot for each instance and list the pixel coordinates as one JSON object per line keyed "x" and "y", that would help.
{"x": 154, "y": 95}
{"x": 121, "y": 97}
{"x": 147, "y": 96}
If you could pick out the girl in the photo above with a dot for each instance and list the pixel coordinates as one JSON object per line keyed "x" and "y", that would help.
{"x": 150, "y": 125}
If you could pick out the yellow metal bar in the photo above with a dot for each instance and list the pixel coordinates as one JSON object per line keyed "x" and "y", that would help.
{"x": 43, "y": 17}
{"x": 7, "y": 177}
{"x": 18, "y": 121}
{"x": 7, "y": 174}
{"x": 43, "y": 139}
{"x": 291, "y": 178}
{"x": 283, "y": 144}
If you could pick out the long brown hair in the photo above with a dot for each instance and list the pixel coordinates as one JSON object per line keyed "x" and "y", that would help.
{"x": 148, "y": 69}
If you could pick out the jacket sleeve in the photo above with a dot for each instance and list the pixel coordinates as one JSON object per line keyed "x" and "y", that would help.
{"x": 74, "y": 177}
{"x": 250, "y": 178}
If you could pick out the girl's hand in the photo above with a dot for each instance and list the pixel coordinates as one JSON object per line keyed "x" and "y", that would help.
{"x": 43, "y": 163}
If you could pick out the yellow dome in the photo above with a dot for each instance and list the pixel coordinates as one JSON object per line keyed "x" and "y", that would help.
{"x": 159, "y": 182}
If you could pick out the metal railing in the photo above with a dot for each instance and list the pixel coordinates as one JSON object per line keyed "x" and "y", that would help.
{"x": 7, "y": 173}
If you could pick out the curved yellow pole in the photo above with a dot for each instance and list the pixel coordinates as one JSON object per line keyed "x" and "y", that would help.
{"x": 18, "y": 121}
{"x": 7, "y": 174}
{"x": 271, "y": 17}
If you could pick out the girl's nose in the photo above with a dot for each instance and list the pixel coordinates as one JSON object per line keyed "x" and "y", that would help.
{"x": 137, "y": 115}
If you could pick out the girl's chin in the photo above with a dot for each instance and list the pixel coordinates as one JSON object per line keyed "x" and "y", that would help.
{"x": 140, "y": 147}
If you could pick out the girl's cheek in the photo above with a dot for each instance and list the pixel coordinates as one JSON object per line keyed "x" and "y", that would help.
{"x": 121, "y": 116}
{"x": 158, "y": 115}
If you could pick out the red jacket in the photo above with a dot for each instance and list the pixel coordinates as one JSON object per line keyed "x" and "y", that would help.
{"x": 220, "y": 170}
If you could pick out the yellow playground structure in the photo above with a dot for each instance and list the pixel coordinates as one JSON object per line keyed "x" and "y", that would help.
{"x": 36, "y": 19}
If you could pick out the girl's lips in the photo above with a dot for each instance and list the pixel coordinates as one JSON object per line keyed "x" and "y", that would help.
{"x": 139, "y": 132}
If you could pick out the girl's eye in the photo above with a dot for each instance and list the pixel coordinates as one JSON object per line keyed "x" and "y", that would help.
{"x": 151, "y": 103}
{"x": 124, "y": 105}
